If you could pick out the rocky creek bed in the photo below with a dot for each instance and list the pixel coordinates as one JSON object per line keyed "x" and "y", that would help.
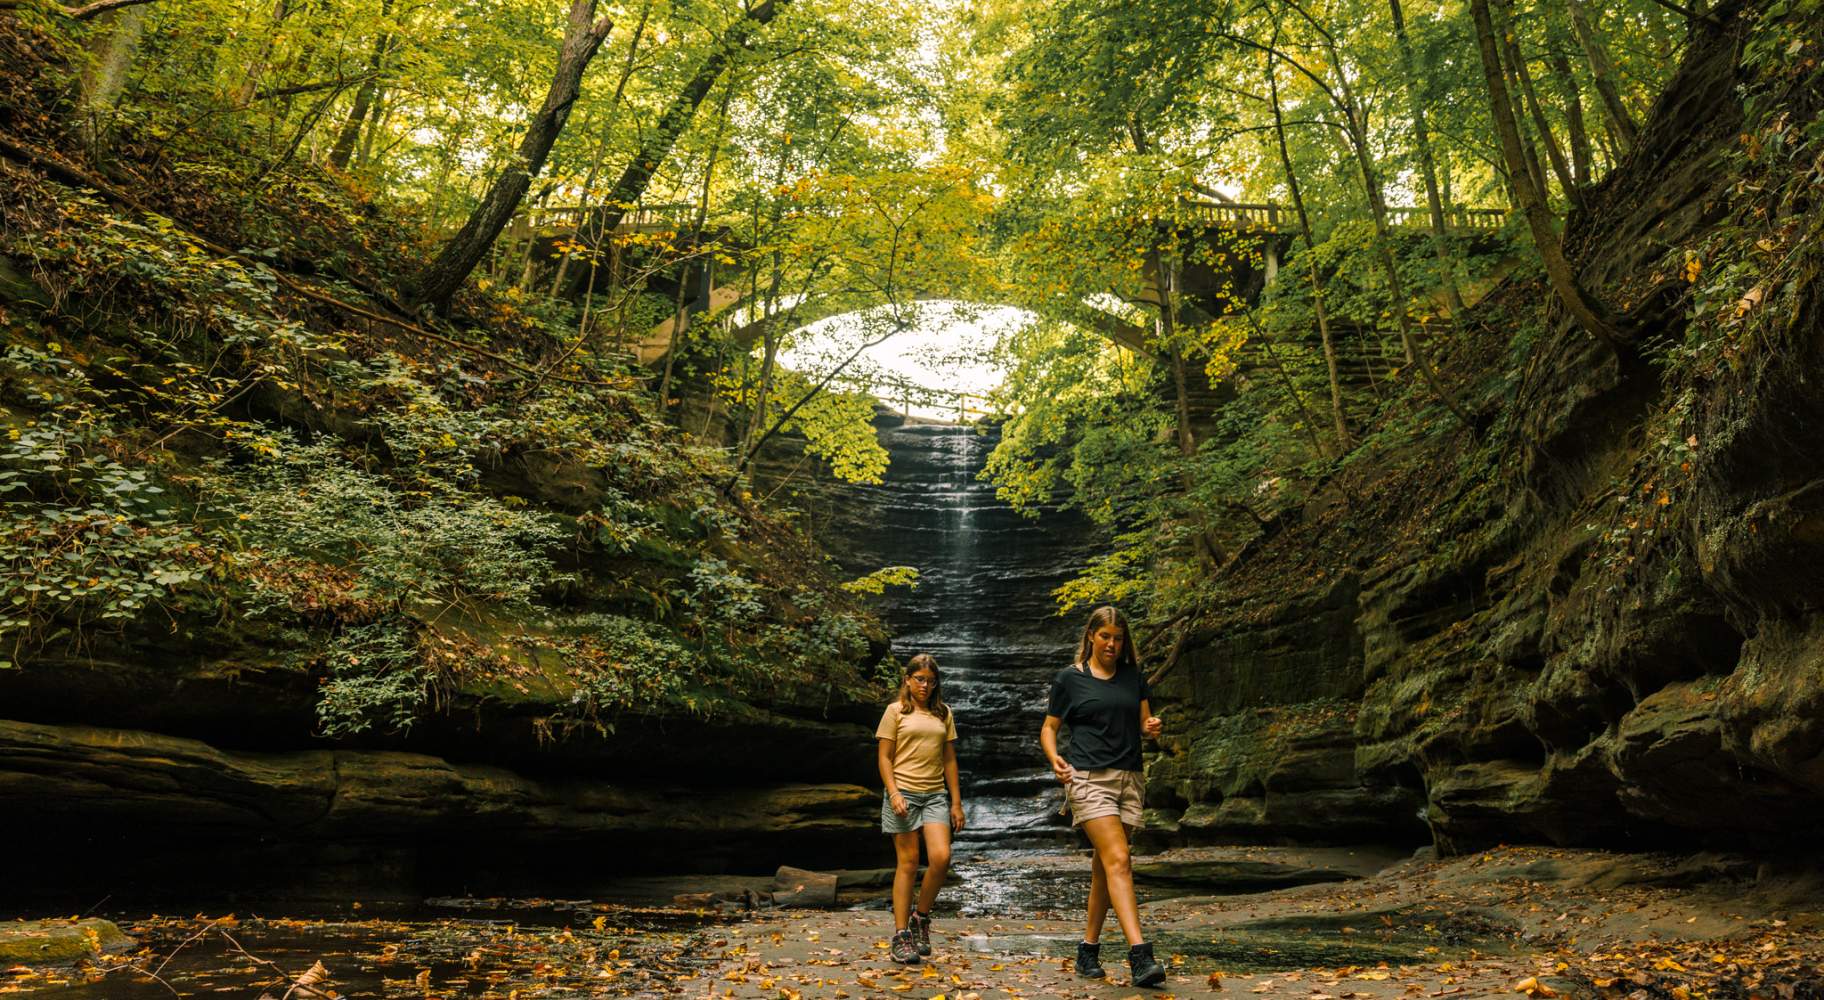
{"x": 1507, "y": 922}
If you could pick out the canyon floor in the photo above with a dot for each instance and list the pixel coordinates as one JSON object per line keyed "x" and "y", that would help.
{"x": 1525, "y": 921}
{"x": 1514, "y": 921}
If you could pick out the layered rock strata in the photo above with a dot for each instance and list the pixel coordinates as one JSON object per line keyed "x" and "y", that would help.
{"x": 1602, "y": 625}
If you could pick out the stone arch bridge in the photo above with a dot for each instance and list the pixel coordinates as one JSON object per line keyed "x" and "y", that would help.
{"x": 711, "y": 289}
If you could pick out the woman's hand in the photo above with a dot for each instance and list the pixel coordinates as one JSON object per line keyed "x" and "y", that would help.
{"x": 1062, "y": 769}
{"x": 1152, "y": 727}
{"x": 900, "y": 808}
{"x": 956, "y": 815}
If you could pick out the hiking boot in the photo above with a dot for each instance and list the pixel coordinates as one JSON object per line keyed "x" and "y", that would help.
{"x": 1089, "y": 960}
{"x": 920, "y": 926}
{"x": 1145, "y": 968}
{"x": 904, "y": 949}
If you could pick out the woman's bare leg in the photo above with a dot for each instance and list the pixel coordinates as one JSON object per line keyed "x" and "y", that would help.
{"x": 905, "y": 872}
{"x": 1098, "y": 899}
{"x": 937, "y": 863}
{"x": 1109, "y": 838}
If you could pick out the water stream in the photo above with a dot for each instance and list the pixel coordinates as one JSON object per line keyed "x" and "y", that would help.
{"x": 984, "y": 607}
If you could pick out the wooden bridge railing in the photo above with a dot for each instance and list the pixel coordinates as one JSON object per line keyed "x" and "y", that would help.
{"x": 891, "y": 390}
{"x": 1270, "y": 215}
{"x": 564, "y": 219}
{"x": 1454, "y": 218}
{"x": 1241, "y": 215}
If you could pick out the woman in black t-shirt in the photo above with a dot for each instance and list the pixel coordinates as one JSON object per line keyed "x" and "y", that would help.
{"x": 1104, "y": 697}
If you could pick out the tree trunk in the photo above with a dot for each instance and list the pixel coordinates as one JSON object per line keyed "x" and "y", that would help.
{"x": 111, "y": 54}
{"x": 582, "y": 37}
{"x": 631, "y": 186}
{"x": 768, "y": 309}
{"x": 680, "y": 323}
{"x": 1582, "y": 169}
{"x": 377, "y": 120}
{"x": 1534, "y": 172}
{"x": 1165, "y": 331}
{"x": 1383, "y": 240}
{"x": 1591, "y": 315}
{"x": 242, "y": 95}
{"x": 1427, "y": 164}
{"x": 346, "y": 140}
{"x": 1339, "y": 422}
{"x": 601, "y": 145}
{"x": 1517, "y": 59}
{"x": 1602, "y": 74}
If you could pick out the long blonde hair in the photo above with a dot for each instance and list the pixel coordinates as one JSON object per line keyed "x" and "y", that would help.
{"x": 934, "y": 698}
{"x": 1108, "y": 615}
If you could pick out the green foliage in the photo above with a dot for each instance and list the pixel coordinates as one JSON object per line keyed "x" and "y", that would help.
{"x": 88, "y": 535}
{"x": 1748, "y": 279}
{"x": 877, "y": 582}
{"x": 837, "y": 427}
{"x": 376, "y": 680}
{"x": 419, "y": 550}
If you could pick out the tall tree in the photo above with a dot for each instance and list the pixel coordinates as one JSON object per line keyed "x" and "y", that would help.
{"x": 1428, "y": 166}
{"x": 111, "y": 51}
{"x": 1338, "y": 421}
{"x": 1602, "y": 74}
{"x": 1355, "y": 130}
{"x": 632, "y": 184}
{"x": 350, "y": 134}
{"x": 1516, "y": 58}
{"x": 1571, "y": 96}
{"x": 1589, "y": 313}
{"x": 583, "y": 35}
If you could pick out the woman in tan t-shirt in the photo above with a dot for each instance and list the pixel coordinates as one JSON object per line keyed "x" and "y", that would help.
{"x": 917, "y": 758}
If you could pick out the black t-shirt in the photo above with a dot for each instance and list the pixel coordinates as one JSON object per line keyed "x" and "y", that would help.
{"x": 1103, "y": 716}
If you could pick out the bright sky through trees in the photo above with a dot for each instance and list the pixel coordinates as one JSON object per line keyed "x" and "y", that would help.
{"x": 949, "y": 347}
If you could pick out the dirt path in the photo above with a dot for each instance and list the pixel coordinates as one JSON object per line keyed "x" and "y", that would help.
{"x": 1516, "y": 921}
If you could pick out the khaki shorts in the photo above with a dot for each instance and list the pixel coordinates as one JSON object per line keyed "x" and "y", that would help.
{"x": 1106, "y": 791}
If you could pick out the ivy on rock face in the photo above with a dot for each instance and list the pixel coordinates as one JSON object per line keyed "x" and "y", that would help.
{"x": 234, "y": 464}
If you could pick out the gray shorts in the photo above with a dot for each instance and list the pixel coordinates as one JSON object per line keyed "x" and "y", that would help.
{"x": 921, "y": 808}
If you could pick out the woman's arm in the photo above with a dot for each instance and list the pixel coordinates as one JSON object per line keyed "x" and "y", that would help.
{"x": 885, "y": 762}
{"x": 1149, "y": 723}
{"x": 1048, "y": 739}
{"x": 952, "y": 779}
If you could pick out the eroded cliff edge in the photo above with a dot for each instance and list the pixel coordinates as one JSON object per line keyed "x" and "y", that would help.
{"x": 1603, "y": 621}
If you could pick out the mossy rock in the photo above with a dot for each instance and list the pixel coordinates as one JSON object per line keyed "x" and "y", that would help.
{"x": 57, "y": 942}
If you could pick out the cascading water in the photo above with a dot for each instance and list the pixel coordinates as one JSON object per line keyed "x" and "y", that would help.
{"x": 984, "y": 607}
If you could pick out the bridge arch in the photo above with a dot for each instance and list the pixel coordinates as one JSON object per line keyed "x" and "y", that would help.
{"x": 713, "y": 289}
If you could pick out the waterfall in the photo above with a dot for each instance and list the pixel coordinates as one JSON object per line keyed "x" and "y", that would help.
{"x": 984, "y": 607}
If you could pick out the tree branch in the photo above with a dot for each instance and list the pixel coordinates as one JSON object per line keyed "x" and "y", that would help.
{"x": 83, "y": 13}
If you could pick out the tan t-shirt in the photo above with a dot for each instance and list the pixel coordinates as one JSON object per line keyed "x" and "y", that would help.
{"x": 918, "y": 746}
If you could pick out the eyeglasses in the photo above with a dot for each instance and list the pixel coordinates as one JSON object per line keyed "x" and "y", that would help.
{"x": 923, "y": 681}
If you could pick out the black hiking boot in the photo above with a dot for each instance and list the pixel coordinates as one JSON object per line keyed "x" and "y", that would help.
{"x": 904, "y": 949}
{"x": 1145, "y": 968}
{"x": 920, "y": 926}
{"x": 1089, "y": 960}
